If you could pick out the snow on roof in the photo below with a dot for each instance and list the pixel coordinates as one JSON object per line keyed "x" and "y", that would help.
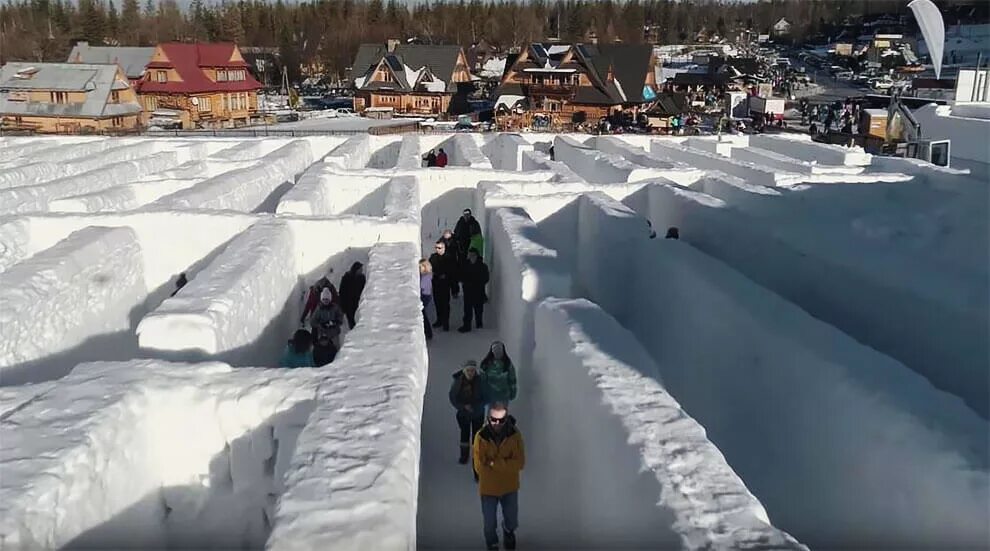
{"x": 509, "y": 100}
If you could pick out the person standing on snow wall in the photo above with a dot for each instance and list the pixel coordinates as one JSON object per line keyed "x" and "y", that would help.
{"x": 444, "y": 276}
{"x": 499, "y": 375}
{"x": 499, "y": 456}
{"x": 466, "y": 395}
{"x": 351, "y": 287}
{"x": 474, "y": 279}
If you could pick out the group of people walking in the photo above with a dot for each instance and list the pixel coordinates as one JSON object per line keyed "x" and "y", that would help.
{"x": 489, "y": 436}
{"x": 455, "y": 265}
{"x": 325, "y": 310}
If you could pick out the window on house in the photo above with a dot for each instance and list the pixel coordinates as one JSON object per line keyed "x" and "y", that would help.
{"x": 161, "y": 76}
{"x": 204, "y": 104}
{"x": 150, "y": 103}
{"x": 60, "y": 97}
{"x": 226, "y": 102}
{"x": 221, "y": 76}
{"x": 117, "y": 121}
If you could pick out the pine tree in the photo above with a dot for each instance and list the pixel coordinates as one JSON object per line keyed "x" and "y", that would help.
{"x": 93, "y": 21}
{"x": 130, "y": 23}
{"x": 113, "y": 23}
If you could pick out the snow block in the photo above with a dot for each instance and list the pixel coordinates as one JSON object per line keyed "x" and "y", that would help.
{"x": 122, "y": 197}
{"x": 758, "y": 372}
{"x": 598, "y": 167}
{"x": 27, "y": 174}
{"x": 675, "y": 171}
{"x": 525, "y": 271}
{"x": 752, "y": 173}
{"x": 537, "y": 160}
{"x": 108, "y": 460}
{"x": 597, "y": 370}
{"x": 36, "y": 198}
{"x": 56, "y": 150}
{"x": 740, "y": 194}
{"x": 967, "y": 126}
{"x": 409, "y": 157}
{"x": 353, "y": 482}
{"x": 15, "y": 235}
{"x": 320, "y": 192}
{"x": 807, "y": 150}
{"x": 506, "y": 151}
{"x": 245, "y": 189}
{"x": 711, "y": 146}
{"x": 789, "y": 164}
{"x": 463, "y": 150}
{"x": 248, "y": 150}
{"x": 54, "y": 302}
{"x": 931, "y": 319}
{"x": 352, "y": 154}
{"x": 224, "y": 312}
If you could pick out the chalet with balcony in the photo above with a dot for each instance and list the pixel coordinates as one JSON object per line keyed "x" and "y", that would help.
{"x": 414, "y": 79}
{"x": 199, "y": 85}
{"x": 67, "y": 98}
{"x": 573, "y": 83}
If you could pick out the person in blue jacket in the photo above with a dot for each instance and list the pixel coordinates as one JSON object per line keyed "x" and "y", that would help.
{"x": 467, "y": 398}
{"x": 299, "y": 352}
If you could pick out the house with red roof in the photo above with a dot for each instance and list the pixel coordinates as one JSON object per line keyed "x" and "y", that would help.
{"x": 200, "y": 85}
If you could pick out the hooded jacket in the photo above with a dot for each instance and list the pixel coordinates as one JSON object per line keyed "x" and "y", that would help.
{"x": 463, "y": 231}
{"x": 351, "y": 287}
{"x": 499, "y": 456}
{"x": 499, "y": 377}
{"x": 464, "y": 392}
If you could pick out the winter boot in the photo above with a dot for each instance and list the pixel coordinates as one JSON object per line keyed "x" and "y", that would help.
{"x": 479, "y": 325}
{"x": 509, "y": 539}
{"x": 464, "y": 329}
{"x": 464, "y": 455}
{"x": 492, "y": 547}
{"x": 438, "y": 323}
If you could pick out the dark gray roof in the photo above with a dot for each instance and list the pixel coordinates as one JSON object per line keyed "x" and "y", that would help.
{"x": 368, "y": 56}
{"x": 440, "y": 59}
{"x": 133, "y": 60}
{"x": 96, "y": 81}
{"x": 630, "y": 66}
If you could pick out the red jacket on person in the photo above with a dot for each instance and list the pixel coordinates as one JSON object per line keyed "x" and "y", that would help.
{"x": 442, "y": 159}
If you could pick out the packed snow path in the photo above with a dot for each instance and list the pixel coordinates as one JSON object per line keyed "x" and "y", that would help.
{"x": 556, "y": 508}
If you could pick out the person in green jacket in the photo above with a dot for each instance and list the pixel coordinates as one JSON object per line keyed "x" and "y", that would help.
{"x": 499, "y": 375}
{"x": 477, "y": 243}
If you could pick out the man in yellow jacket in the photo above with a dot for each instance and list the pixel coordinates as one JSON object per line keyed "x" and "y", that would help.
{"x": 498, "y": 458}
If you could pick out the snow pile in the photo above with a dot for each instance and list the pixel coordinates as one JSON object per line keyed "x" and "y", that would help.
{"x": 246, "y": 189}
{"x": 231, "y": 309}
{"x": 932, "y": 319}
{"x": 598, "y": 167}
{"x": 354, "y": 477}
{"x": 765, "y": 374}
{"x": 597, "y": 370}
{"x": 35, "y": 198}
{"x": 62, "y": 299}
{"x": 354, "y": 153}
{"x": 506, "y": 151}
{"x": 751, "y": 172}
{"x": 107, "y": 458}
{"x": 804, "y": 149}
{"x": 524, "y": 272}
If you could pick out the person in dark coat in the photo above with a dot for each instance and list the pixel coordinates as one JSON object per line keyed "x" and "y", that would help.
{"x": 444, "y": 276}
{"x": 431, "y": 159}
{"x": 180, "y": 283}
{"x": 326, "y": 322}
{"x": 466, "y": 397}
{"x": 441, "y": 159}
{"x": 448, "y": 239}
{"x": 351, "y": 287}
{"x": 315, "y": 291}
{"x": 466, "y": 227}
{"x": 474, "y": 277}
{"x": 673, "y": 233}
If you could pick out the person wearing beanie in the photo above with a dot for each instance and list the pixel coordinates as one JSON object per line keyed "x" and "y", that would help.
{"x": 466, "y": 397}
{"x": 325, "y": 323}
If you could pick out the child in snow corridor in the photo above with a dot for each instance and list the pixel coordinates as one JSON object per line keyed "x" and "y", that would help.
{"x": 315, "y": 291}
{"x": 498, "y": 457}
{"x": 299, "y": 352}
{"x": 467, "y": 398}
{"x": 351, "y": 287}
{"x": 426, "y": 293}
{"x": 499, "y": 375}
{"x": 326, "y": 322}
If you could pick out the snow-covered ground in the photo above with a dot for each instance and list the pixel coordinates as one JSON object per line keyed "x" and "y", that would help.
{"x": 806, "y": 366}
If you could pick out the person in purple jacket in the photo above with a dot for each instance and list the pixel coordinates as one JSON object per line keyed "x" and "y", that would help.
{"x": 426, "y": 293}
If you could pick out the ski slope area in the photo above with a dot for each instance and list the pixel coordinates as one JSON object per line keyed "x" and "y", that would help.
{"x": 815, "y": 343}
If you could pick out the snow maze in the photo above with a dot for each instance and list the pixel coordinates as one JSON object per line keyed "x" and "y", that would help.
{"x": 807, "y": 367}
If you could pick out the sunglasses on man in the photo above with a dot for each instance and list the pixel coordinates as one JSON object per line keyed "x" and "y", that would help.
{"x": 496, "y": 420}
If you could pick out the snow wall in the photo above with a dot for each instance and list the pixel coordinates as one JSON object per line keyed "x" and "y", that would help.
{"x": 598, "y": 167}
{"x": 700, "y": 320}
{"x": 75, "y": 299}
{"x": 751, "y": 172}
{"x": 320, "y": 193}
{"x": 806, "y": 150}
{"x": 463, "y": 150}
{"x": 354, "y": 478}
{"x": 108, "y": 459}
{"x": 969, "y": 136}
{"x": 537, "y": 160}
{"x": 884, "y": 300}
{"x": 352, "y": 154}
{"x": 681, "y": 173}
{"x": 506, "y": 151}
{"x": 590, "y": 367}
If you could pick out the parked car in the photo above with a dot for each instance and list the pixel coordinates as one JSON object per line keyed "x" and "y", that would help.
{"x": 844, "y": 75}
{"x": 340, "y": 112}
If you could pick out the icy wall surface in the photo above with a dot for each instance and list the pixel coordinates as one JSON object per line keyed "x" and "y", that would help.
{"x": 713, "y": 392}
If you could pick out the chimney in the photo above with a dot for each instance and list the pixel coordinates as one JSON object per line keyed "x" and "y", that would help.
{"x": 390, "y": 44}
